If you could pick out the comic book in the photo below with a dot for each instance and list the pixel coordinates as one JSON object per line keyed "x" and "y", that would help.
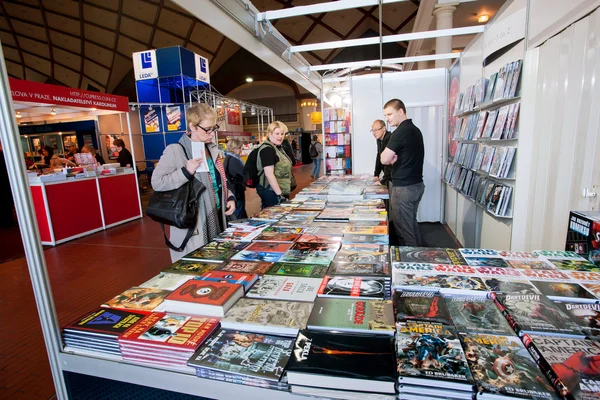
{"x": 293, "y": 269}
{"x": 574, "y": 265}
{"x": 262, "y": 256}
{"x": 210, "y": 255}
{"x": 430, "y": 354}
{"x": 190, "y": 267}
{"x": 308, "y": 257}
{"x": 586, "y": 316}
{"x": 444, "y": 283}
{"x": 564, "y": 291}
{"x": 501, "y": 366}
{"x": 424, "y": 306}
{"x": 278, "y": 287}
{"x": 311, "y": 246}
{"x": 166, "y": 281}
{"x": 420, "y": 255}
{"x": 476, "y": 314}
{"x": 250, "y": 267}
{"x": 352, "y": 315}
{"x": 138, "y": 298}
{"x": 530, "y": 264}
{"x": 366, "y": 253}
{"x": 354, "y": 287}
{"x": 379, "y": 270}
{"x": 271, "y": 247}
{"x": 224, "y": 245}
{"x": 510, "y": 285}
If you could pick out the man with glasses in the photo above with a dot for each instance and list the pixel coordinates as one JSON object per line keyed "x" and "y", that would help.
{"x": 382, "y": 136}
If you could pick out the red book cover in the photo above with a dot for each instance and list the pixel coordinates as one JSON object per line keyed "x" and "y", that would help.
{"x": 268, "y": 246}
{"x": 177, "y": 332}
{"x": 204, "y": 292}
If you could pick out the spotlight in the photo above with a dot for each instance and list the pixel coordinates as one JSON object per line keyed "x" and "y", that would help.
{"x": 243, "y": 108}
{"x": 18, "y": 115}
{"x": 249, "y": 80}
{"x": 483, "y": 18}
{"x": 53, "y": 112}
{"x": 132, "y": 107}
{"x": 150, "y": 107}
{"x": 253, "y": 111}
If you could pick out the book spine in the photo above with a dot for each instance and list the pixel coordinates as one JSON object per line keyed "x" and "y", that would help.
{"x": 544, "y": 366}
{"x": 511, "y": 321}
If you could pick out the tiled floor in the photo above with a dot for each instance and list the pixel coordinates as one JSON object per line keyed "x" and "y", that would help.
{"x": 83, "y": 273}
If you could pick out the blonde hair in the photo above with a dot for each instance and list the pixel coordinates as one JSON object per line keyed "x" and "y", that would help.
{"x": 234, "y": 144}
{"x": 276, "y": 124}
{"x": 89, "y": 148}
{"x": 198, "y": 112}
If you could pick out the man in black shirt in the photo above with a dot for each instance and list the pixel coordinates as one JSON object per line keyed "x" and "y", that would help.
{"x": 382, "y": 136}
{"x": 405, "y": 152}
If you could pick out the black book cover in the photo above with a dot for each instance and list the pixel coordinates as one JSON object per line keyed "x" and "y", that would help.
{"x": 367, "y": 357}
{"x": 424, "y": 306}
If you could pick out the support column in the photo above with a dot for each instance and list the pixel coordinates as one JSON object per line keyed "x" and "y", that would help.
{"x": 443, "y": 18}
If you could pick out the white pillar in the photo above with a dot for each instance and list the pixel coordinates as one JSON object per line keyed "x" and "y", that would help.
{"x": 443, "y": 18}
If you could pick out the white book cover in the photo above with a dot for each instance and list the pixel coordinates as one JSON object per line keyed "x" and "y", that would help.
{"x": 285, "y": 288}
{"x": 199, "y": 151}
{"x": 500, "y": 123}
{"x": 506, "y": 199}
{"x": 167, "y": 281}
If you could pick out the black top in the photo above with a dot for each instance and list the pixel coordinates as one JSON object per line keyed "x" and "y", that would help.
{"x": 125, "y": 158}
{"x": 99, "y": 159}
{"x": 268, "y": 156}
{"x": 407, "y": 143}
{"x": 234, "y": 170}
{"x": 387, "y": 169}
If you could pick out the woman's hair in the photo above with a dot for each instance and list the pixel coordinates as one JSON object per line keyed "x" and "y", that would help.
{"x": 90, "y": 148}
{"x": 276, "y": 124}
{"x": 119, "y": 143}
{"x": 234, "y": 144}
{"x": 50, "y": 151}
{"x": 198, "y": 112}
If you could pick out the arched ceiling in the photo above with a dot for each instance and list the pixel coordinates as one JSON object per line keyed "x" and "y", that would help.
{"x": 88, "y": 44}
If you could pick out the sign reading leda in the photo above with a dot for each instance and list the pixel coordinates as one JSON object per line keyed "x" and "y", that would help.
{"x": 202, "y": 73}
{"x": 145, "y": 65}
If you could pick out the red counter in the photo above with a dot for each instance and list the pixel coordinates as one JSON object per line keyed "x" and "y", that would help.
{"x": 67, "y": 210}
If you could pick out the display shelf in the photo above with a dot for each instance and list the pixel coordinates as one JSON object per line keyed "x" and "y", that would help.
{"x": 486, "y": 174}
{"x": 465, "y": 113}
{"x": 485, "y": 209}
{"x": 496, "y": 141}
{"x": 167, "y": 380}
{"x": 498, "y": 103}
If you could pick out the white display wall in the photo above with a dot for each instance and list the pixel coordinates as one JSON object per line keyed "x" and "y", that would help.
{"x": 424, "y": 94}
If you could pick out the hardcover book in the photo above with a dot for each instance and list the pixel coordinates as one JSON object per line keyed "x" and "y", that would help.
{"x": 444, "y": 283}
{"x": 309, "y": 238}
{"x": 190, "y": 267}
{"x": 308, "y": 257}
{"x": 420, "y": 255}
{"x": 362, "y": 254}
{"x": 574, "y": 265}
{"x": 486, "y": 262}
{"x": 203, "y": 298}
{"x": 261, "y": 256}
{"x": 430, "y": 353}
{"x": 423, "y": 306}
{"x": 275, "y": 317}
{"x": 248, "y": 267}
{"x": 510, "y": 285}
{"x": 571, "y": 365}
{"x": 476, "y": 314}
{"x": 586, "y": 316}
{"x": 209, "y": 255}
{"x": 350, "y": 238}
{"x": 502, "y": 366}
{"x": 530, "y": 264}
{"x": 285, "y": 288}
{"x": 138, "y": 298}
{"x": 166, "y": 281}
{"x": 359, "y": 269}
{"x": 353, "y": 286}
{"x": 249, "y": 354}
{"x": 268, "y": 247}
{"x": 236, "y": 278}
{"x": 349, "y": 362}
{"x": 105, "y": 322}
{"x": 562, "y": 291}
{"x": 352, "y": 315}
{"x": 292, "y": 269}
{"x": 323, "y": 247}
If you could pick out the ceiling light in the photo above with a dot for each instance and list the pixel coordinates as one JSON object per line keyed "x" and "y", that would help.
{"x": 53, "y": 112}
{"x": 253, "y": 111}
{"x": 132, "y": 107}
{"x": 150, "y": 107}
{"x": 18, "y": 115}
{"x": 249, "y": 79}
{"x": 483, "y": 18}
{"x": 243, "y": 108}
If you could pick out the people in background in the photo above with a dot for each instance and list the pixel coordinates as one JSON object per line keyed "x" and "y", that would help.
{"x": 51, "y": 160}
{"x": 175, "y": 169}
{"x": 275, "y": 183}
{"x": 70, "y": 150}
{"x": 317, "y": 156}
{"x": 234, "y": 170}
{"x": 405, "y": 152}
{"x": 88, "y": 148}
{"x": 382, "y": 137}
{"x": 125, "y": 158}
{"x": 287, "y": 147}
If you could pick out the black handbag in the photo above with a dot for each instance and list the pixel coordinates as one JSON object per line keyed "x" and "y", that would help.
{"x": 178, "y": 207}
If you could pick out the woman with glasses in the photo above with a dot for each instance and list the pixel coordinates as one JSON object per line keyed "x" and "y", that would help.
{"x": 174, "y": 169}
{"x": 275, "y": 184}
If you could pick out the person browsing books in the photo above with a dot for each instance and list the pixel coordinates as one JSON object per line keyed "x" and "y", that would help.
{"x": 382, "y": 137}
{"x": 70, "y": 150}
{"x": 405, "y": 153}
{"x": 234, "y": 169}
{"x": 51, "y": 160}
{"x": 274, "y": 185}
{"x": 317, "y": 157}
{"x": 174, "y": 169}
{"x": 125, "y": 158}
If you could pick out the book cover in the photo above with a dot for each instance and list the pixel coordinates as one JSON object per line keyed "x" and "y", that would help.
{"x": 138, "y": 298}
{"x": 431, "y": 351}
{"x": 438, "y": 282}
{"x": 584, "y": 276}
{"x": 190, "y": 267}
{"x": 586, "y": 316}
{"x": 308, "y": 257}
{"x": 106, "y": 322}
{"x": 574, "y": 265}
{"x": 283, "y": 237}
{"x": 166, "y": 281}
{"x": 352, "y": 315}
{"x": 248, "y": 267}
{"x": 545, "y": 275}
{"x": 593, "y": 288}
{"x": 359, "y": 269}
{"x": 204, "y": 292}
{"x": 262, "y": 256}
{"x": 365, "y": 239}
{"x": 362, "y": 254}
{"x": 311, "y": 246}
{"x": 285, "y": 317}
{"x": 571, "y": 365}
{"x": 268, "y": 247}
{"x": 491, "y": 272}
{"x": 486, "y": 262}
{"x": 367, "y": 230}
{"x": 214, "y": 245}
{"x": 502, "y": 366}
{"x": 236, "y": 235}
{"x": 249, "y": 354}
{"x": 423, "y": 255}
{"x": 369, "y": 358}
{"x": 209, "y": 255}
{"x": 170, "y": 331}
{"x": 423, "y": 306}
{"x": 564, "y": 290}
{"x": 530, "y": 264}
{"x": 285, "y": 288}
{"x": 510, "y": 285}
{"x": 353, "y": 286}
{"x": 533, "y": 313}
{"x": 292, "y": 269}
{"x": 309, "y": 238}
{"x": 236, "y": 278}
{"x": 558, "y": 254}
{"x": 476, "y": 314}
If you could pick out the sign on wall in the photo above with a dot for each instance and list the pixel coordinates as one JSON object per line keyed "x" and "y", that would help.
{"x": 316, "y": 117}
{"x": 150, "y": 118}
{"x": 202, "y": 72}
{"x": 174, "y": 117}
{"x": 145, "y": 65}
{"x": 507, "y": 31}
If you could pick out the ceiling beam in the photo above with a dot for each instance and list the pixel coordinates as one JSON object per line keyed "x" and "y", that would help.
{"x": 115, "y": 44}
{"x": 320, "y": 8}
{"x": 385, "y": 61}
{"x": 14, "y": 35}
{"x": 388, "y": 39}
{"x": 82, "y": 40}
{"x": 50, "y": 49}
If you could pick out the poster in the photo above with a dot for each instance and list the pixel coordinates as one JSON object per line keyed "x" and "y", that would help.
{"x": 174, "y": 117}
{"x": 453, "y": 93}
{"x": 150, "y": 120}
{"x": 233, "y": 117}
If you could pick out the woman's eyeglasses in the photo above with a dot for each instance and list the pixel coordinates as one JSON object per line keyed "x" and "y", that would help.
{"x": 214, "y": 129}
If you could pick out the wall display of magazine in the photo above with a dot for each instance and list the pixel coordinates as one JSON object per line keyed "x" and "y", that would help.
{"x": 338, "y": 143}
{"x": 486, "y": 132}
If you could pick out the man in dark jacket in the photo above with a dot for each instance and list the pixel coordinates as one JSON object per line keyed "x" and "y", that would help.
{"x": 383, "y": 137}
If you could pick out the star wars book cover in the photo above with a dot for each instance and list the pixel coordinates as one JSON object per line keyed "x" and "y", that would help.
{"x": 421, "y": 255}
{"x": 530, "y": 264}
{"x": 510, "y": 285}
{"x": 571, "y": 365}
{"x": 249, "y": 354}
{"x": 574, "y": 265}
{"x": 439, "y": 282}
{"x": 486, "y": 262}
{"x": 534, "y": 313}
{"x": 424, "y": 306}
{"x": 587, "y": 316}
{"x": 501, "y": 365}
{"x": 477, "y": 314}
{"x": 431, "y": 351}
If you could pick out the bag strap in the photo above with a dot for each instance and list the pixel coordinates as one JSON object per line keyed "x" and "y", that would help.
{"x": 187, "y": 238}
{"x": 184, "y": 150}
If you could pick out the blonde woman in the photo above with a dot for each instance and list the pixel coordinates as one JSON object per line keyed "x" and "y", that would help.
{"x": 275, "y": 183}
{"x": 174, "y": 169}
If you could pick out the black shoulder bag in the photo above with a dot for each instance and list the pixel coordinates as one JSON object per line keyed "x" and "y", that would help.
{"x": 178, "y": 207}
